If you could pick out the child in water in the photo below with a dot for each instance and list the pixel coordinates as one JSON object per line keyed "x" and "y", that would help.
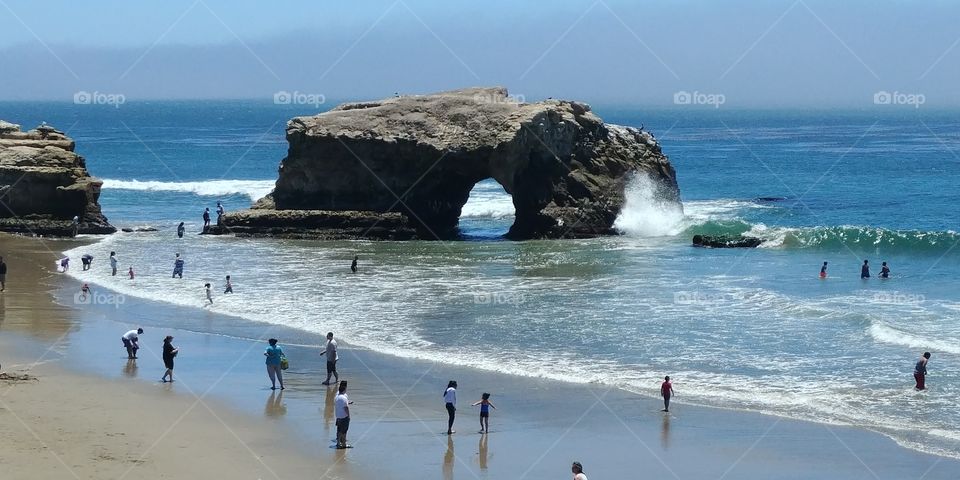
{"x": 884, "y": 271}
{"x": 131, "y": 273}
{"x": 485, "y": 406}
{"x": 209, "y": 293}
{"x": 823, "y": 270}
{"x": 228, "y": 288}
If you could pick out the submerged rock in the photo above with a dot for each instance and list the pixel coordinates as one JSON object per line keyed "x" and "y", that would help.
{"x": 44, "y": 185}
{"x": 406, "y": 165}
{"x": 724, "y": 241}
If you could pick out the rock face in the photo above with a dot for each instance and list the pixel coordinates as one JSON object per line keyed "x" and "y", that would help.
{"x": 419, "y": 156}
{"x": 44, "y": 184}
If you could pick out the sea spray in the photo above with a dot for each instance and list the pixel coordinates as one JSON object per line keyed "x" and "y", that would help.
{"x": 255, "y": 189}
{"x": 648, "y": 212}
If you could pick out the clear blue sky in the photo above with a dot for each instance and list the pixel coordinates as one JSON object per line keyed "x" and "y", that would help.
{"x": 760, "y": 53}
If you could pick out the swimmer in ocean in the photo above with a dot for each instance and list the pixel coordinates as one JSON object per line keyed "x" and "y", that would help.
{"x": 180, "y": 230}
{"x": 865, "y": 270}
{"x": 823, "y": 270}
{"x": 884, "y": 270}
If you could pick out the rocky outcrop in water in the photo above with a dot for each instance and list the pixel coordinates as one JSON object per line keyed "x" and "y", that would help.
{"x": 44, "y": 185}
{"x": 404, "y": 166}
{"x": 724, "y": 241}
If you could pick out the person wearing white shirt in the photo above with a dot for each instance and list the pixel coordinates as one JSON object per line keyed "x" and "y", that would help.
{"x": 341, "y": 405}
{"x": 578, "y": 471}
{"x": 331, "y": 352}
{"x": 130, "y": 340}
{"x": 450, "y": 398}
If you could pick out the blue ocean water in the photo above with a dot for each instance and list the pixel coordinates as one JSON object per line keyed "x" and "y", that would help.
{"x": 745, "y": 329}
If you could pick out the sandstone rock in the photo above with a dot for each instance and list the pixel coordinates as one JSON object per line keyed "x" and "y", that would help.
{"x": 419, "y": 156}
{"x": 44, "y": 184}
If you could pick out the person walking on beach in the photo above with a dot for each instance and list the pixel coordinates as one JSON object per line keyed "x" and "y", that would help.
{"x": 274, "y": 355}
{"x": 353, "y": 265}
{"x": 920, "y": 371}
{"x": 169, "y": 352}
{"x": 341, "y": 405}
{"x": 666, "y": 391}
{"x": 86, "y": 260}
{"x": 206, "y": 218}
{"x": 3, "y": 275}
{"x": 113, "y": 263}
{"x": 485, "y": 406}
{"x": 884, "y": 270}
{"x": 206, "y": 287}
{"x": 577, "y": 469}
{"x": 177, "y": 267}
{"x": 228, "y": 288}
{"x": 865, "y": 270}
{"x": 131, "y": 341}
{"x": 450, "y": 399}
{"x": 180, "y": 230}
{"x": 823, "y": 270}
{"x": 331, "y": 352}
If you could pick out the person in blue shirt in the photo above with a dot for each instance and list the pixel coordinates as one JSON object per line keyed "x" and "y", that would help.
{"x": 274, "y": 355}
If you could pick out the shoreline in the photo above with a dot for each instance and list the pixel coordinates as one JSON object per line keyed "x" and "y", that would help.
{"x": 540, "y": 427}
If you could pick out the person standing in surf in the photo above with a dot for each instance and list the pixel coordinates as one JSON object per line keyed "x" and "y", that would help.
{"x": 353, "y": 265}
{"x": 485, "y": 406}
{"x": 823, "y": 270}
{"x": 450, "y": 399}
{"x": 177, "y": 267}
{"x": 341, "y": 405}
{"x": 865, "y": 270}
{"x": 169, "y": 352}
{"x": 3, "y": 275}
{"x": 228, "y": 288}
{"x": 130, "y": 272}
{"x": 206, "y": 287}
{"x": 331, "y": 352}
{"x": 666, "y": 391}
{"x": 274, "y": 355}
{"x": 113, "y": 263}
{"x": 180, "y": 230}
{"x": 920, "y": 371}
{"x": 884, "y": 270}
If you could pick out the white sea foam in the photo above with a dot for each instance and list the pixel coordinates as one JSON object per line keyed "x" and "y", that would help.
{"x": 255, "y": 189}
{"x": 647, "y": 212}
{"x": 893, "y": 336}
{"x": 488, "y": 200}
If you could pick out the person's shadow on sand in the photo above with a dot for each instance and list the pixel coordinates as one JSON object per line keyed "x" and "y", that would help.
{"x": 448, "y": 459}
{"x": 328, "y": 407}
{"x": 483, "y": 452}
{"x": 130, "y": 369}
{"x": 665, "y": 432}
{"x": 275, "y": 406}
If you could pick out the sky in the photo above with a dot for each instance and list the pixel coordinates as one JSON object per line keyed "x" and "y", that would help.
{"x": 732, "y": 53}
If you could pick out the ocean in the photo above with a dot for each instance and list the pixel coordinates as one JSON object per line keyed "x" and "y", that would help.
{"x": 751, "y": 329}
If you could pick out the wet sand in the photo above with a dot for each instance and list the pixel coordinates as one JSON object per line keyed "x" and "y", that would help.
{"x": 398, "y": 419}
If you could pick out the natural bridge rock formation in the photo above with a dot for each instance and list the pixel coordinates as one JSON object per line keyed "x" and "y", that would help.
{"x": 403, "y": 168}
{"x": 44, "y": 184}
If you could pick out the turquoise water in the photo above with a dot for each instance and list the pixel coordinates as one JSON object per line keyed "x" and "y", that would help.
{"x": 744, "y": 329}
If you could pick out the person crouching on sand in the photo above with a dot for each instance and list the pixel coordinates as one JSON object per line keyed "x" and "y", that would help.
{"x": 666, "y": 391}
{"x": 920, "y": 371}
{"x": 169, "y": 352}
{"x": 274, "y": 356}
{"x": 485, "y": 406}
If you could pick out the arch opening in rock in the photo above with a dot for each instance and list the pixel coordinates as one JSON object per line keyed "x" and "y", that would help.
{"x": 488, "y": 213}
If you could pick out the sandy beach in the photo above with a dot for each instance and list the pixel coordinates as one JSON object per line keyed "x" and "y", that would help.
{"x": 91, "y": 414}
